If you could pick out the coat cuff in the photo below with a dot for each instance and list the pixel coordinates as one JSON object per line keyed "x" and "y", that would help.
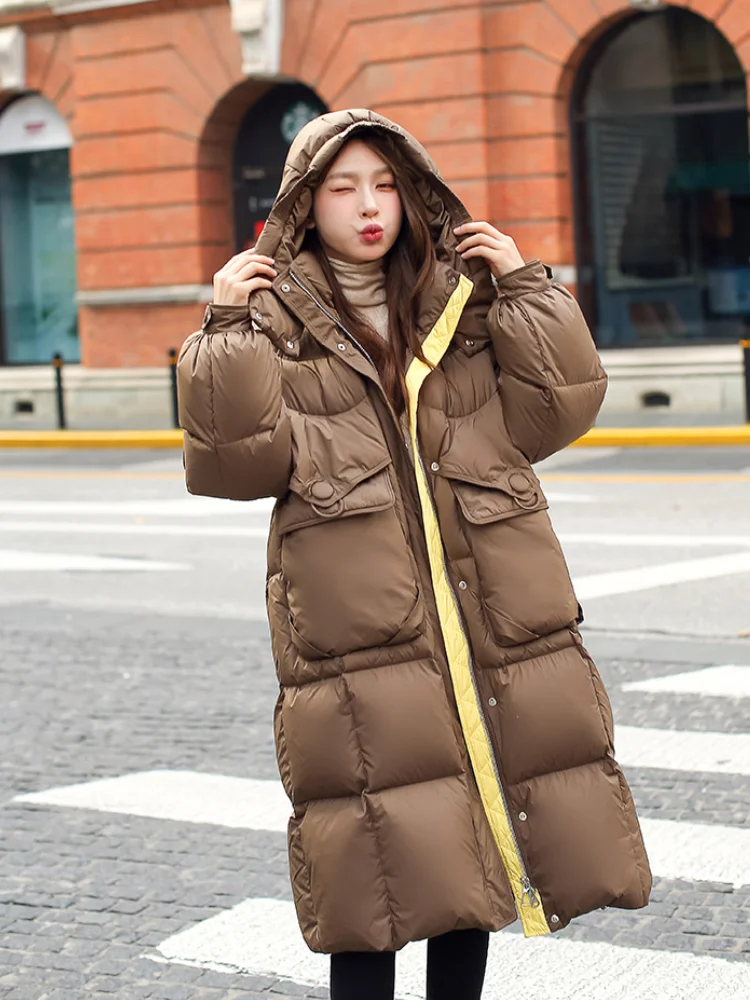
{"x": 532, "y": 277}
{"x": 220, "y": 318}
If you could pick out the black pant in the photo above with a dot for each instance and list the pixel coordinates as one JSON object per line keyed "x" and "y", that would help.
{"x": 456, "y": 964}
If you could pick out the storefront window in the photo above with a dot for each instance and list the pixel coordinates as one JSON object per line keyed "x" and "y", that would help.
{"x": 661, "y": 128}
{"x": 37, "y": 249}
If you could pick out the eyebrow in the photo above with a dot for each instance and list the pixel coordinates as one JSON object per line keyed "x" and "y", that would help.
{"x": 353, "y": 175}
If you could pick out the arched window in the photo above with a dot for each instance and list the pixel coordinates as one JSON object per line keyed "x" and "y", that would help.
{"x": 662, "y": 183}
{"x": 263, "y": 140}
{"x": 38, "y": 314}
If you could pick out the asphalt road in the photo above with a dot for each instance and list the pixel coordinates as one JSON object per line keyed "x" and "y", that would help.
{"x": 142, "y": 851}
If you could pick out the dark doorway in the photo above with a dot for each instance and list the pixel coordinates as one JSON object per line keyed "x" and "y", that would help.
{"x": 662, "y": 184}
{"x": 263, "y": 140}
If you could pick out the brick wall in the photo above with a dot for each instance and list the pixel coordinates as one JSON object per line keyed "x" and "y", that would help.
{"x": 152, "y": 200}
{"x": 136, "y": 336}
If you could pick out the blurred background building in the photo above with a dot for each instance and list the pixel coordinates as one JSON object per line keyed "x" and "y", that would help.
{"x": 141, "y": 144}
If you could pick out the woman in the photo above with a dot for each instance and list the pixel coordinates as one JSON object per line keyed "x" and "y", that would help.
{"x": 389, "y": 370}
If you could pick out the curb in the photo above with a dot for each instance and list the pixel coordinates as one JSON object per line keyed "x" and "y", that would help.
{"x": 598, "y": 437}
{"x": 664, "y": 437}
{"x": 91, "y": 439}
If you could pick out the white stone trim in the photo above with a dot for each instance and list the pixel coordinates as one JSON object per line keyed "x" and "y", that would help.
{"x": 259, "y": 23}
{"x": 145, "y": 296}
{"x": 81, "y": 6}
{"x": 566, "y": 274}
{"x": 12, "y": 58}
{"x": 61, "y": 6}
{"x": 679, "y": 361}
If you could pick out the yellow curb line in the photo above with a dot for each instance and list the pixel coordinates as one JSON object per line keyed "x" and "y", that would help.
{"x": 91, "y": 439}
{"x": 598, "y": 437}
{"x": 664, "y": 437}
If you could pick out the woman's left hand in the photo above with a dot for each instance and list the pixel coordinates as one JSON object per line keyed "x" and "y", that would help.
{"x": 483, "y": 240}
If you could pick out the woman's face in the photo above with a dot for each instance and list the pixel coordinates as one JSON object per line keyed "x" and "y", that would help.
{"x": 357, "y": 209}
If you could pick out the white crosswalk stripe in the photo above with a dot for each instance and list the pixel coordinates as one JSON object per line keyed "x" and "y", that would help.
{"x": 261, "y": 937}
{"x": 109, "y": 528}
{"x": 631, "y": 581}
{"x": 680, "y": 750}
{"x": 728, "y": 681}
{"x": 711, "y": 853}
{"x": 184, "y": 796}
{"x": 20, "y": 561}
{"x": 187, "y": 507}
{"x": 702, "y": 851}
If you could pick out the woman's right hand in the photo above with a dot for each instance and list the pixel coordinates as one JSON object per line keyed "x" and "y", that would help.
{"x": 243, "y": 274}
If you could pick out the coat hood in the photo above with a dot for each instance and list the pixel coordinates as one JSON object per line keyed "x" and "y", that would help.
{"x": 310, "y": 153}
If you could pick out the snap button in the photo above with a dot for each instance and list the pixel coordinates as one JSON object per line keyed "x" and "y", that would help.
{"x": 259, "y": 315}
{"x": 435, "y": 467}
{"x": 522, "y": 817}
{"x": 492, "y": 702}
{"x": 555, "y": 919}
{"x": 469, "y": 343}
{"x": 462, "y": 585}
{"x": 322, "y": 491}
{"x": 341, "y": 347}
{"x": 286, "y": 288}
{"x": 290, "y": 344}
{"x": 519, "y": 482}
{"x": 452, "y": 280}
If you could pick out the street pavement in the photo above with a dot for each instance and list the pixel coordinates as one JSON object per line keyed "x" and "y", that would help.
{"x": 142, "y": 846}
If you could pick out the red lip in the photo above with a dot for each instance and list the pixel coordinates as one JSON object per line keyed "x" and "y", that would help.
{"x": 371, "y": 230}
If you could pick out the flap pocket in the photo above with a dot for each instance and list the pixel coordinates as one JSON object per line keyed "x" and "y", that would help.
{"x": 513, "y": 492}
{"x": 328, "y": 499}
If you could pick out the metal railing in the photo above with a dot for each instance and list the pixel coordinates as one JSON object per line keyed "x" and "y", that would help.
{"x": 58, "y": 366}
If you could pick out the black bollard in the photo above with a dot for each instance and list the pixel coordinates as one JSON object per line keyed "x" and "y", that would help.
{"x": 172, "y": 355}
{"x": 57, "y": 364}
{"x": 745, "y": 345}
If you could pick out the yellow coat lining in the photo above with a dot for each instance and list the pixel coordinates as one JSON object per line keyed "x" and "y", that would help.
{"x": 459, "y": 656}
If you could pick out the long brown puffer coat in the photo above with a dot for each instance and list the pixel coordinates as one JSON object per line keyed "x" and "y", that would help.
{"x": 443, "y": 735}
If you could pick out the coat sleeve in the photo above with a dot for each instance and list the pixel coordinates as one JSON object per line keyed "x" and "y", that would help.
{"x": 552, "y": 382}
{"x": 236, "y": 429}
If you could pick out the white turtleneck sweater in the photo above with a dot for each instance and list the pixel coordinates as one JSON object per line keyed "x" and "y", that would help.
{"x": 364, "y": 287}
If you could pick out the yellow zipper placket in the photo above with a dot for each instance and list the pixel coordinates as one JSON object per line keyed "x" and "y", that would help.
{"x": 457, "y": 646}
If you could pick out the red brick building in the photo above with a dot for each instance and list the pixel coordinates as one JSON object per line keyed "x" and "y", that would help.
{"x": 594, "y": 131}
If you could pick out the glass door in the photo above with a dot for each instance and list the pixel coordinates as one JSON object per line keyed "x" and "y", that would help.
{"x": 37, "y": 258}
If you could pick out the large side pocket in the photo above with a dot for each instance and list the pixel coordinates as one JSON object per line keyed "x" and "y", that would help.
{"x": 524, "y": 581}
{"x": 350, "y": 581}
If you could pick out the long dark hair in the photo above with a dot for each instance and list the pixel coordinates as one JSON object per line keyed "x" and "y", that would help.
{"x": 409, "y": 270}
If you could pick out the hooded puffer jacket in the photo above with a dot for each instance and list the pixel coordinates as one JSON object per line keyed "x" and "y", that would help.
{"x": 443, "y": 735}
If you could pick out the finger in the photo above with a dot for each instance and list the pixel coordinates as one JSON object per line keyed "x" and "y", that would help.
{"x": 481, "y": 239}
{"x": 491, "y": 233}
{"x": 236, "y": 263}
{"x": 253, "y": 267}
{"x": 477, "y": 227}
{"x": 253, "y": 285}
{"x": 486, "y": 252}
